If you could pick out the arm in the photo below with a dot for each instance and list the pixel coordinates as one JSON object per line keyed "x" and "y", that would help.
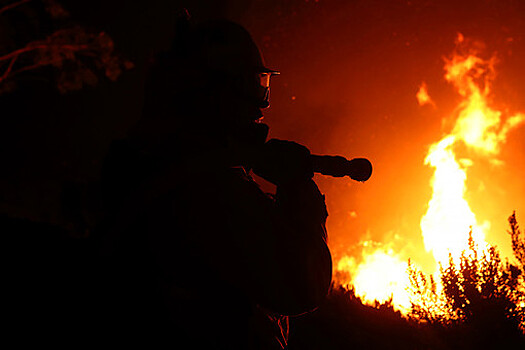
{"x": 235, "y": 238}
{"x": 281, "y": 242}
{"x": 274, "y": 250}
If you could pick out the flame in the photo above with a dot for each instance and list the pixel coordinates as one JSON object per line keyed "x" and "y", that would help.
{"x": 423, "y": 97}
{"x": 446, "y": 224}
{"x": 381, "y": 276}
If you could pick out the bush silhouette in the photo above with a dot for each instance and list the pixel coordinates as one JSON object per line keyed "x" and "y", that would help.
{"x": 482, "y": 297}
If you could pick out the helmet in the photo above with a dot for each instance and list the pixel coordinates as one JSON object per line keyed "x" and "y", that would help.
{"x": 227, "y": 54}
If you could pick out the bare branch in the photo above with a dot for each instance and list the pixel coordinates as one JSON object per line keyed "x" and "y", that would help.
{"x": 13, "y": 56}
{"x": 70, "y": 44}
{"x": 18, "y": 52}
{"x": 9, "y": 69}
{"x": 13, "y": 5}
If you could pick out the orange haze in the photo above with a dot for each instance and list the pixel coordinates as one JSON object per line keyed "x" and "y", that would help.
{"x": 386, "y": 81}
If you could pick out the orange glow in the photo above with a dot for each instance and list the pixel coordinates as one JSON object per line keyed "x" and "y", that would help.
{"x": 445, "y": 225}
{"x": 480, "y": 130}
{"x": 380, "y": 276}
{"x": 422, "y": 95}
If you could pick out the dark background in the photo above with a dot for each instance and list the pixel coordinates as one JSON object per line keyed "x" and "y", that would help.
{"x": 350, "y": 73}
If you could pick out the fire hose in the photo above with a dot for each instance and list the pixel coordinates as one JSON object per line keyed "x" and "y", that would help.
{"x": 358, "y": 169}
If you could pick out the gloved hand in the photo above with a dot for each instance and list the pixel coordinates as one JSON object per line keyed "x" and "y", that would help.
{"x": 282, "y": 162}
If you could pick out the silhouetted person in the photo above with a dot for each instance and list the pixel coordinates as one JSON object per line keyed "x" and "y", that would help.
{"x": 202, "y": 255}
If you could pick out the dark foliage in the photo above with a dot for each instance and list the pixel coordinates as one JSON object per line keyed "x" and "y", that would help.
{"x": 480, "y": 307}
{"x": 39, "y": 35}
{"x": 482, "y": 300}
{"x": 344, "y": 322}
{"x": 60, "y": 290}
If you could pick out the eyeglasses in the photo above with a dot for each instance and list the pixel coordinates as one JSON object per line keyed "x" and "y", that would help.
{"x": 264, "y": 78}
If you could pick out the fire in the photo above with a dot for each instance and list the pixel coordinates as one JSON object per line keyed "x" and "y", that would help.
{"x": 380, "y": 276}
{"x": 423, "y": 97}
{"x": 446, "y": 224}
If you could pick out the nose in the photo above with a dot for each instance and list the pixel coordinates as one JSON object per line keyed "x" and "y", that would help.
{"x": 265, "y": 103}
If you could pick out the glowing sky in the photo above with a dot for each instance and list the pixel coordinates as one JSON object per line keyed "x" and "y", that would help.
{"x": 350, "y": 75}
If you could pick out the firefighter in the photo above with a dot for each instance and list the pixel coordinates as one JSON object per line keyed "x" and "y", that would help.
{"x": 227, "y": 263}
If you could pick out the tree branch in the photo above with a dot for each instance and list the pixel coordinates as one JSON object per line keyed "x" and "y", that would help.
{"x": 18, "y": 52}
{"x": 13, "y": 5}
{"x": 30, "y": 48}
{"x": 9, "y": 68}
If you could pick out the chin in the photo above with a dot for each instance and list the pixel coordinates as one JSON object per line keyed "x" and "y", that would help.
{"x": 257, "y": 116}
{"x": 245, "y": 115}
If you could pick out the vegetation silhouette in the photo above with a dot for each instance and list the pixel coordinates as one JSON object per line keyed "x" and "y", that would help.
{"x": 480, "y": 307}
{"x": 40, "y": 41}
{"x": 480, "y": 293}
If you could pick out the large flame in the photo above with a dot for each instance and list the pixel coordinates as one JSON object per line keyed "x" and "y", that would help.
{"x": 446, "y": 224}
